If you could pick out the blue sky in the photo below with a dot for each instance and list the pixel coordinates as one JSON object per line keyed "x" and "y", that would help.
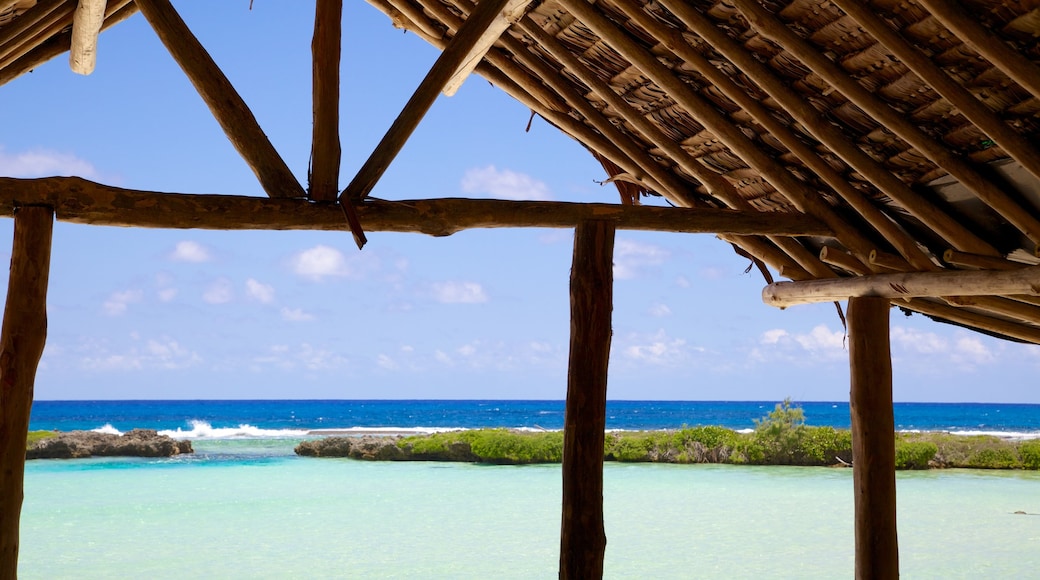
{"x": 481, "y": 314}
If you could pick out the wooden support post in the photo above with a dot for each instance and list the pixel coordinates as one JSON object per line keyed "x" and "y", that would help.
{"x": 582, "y": 539}
{"x": 21, "y": 346}
{"x": 873, "y": 439}
{"x": 223, "y": 100}
{"x": 325, "y": 147}
{"x": 454, "y": 56}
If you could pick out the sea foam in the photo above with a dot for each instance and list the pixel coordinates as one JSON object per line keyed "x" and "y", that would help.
{"x": 203, "y": 430}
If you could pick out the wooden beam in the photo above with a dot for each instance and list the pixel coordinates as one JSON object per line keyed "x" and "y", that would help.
{"x": 117, "y": 11}
{"x": 415, "y": 109}
{"x": 86, "y": 25}
{"x": 583, "y": 540}
{"x": 1011, "y": 141}
{"x": 512, "y": 12}
{"x": 912, "y": 285}
{"x": 828, "y": 133}
{"x": 673, "y": 40}
{"x": 873, "y": 439}
{"x": 769, "y": 26}
{"x": 21, "y": 35}
{"x": 965, "y": 317}
{"x": 325, "y": 145}
{"x": 728, "y": 133}
{"x": 967, "y": 260}
{"x": 22, "y": 340}
{"x": 1013, "y": 63}
{"x": 80, "y": 201}
{"x": 223, "y": 100}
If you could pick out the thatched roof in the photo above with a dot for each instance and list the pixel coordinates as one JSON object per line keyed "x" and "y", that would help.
{"x": 908, "y": 128}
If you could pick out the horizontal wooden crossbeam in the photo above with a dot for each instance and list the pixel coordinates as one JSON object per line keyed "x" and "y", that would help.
{"x": 913, "y": 285}
{"x": 81, "y": 201}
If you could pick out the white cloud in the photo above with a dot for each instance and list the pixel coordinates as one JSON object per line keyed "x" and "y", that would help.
{"x": 296, "y": 315}
{"x": 263, "y": 293}
{"x": 167, "y": 294}
{"x": 913, "y": 340}
{"x": 385, "y": 362}
{"x": 118, "y": 302}
{"x": 632, "y": 258}
{"x": 972, "y": 349}
{"x": 819, "y": 344}
{"x": 44, "y": 163}
{"x": 319, "y": 262}
{"x": 162, "y": 353}
{"x": 219, "y": 292}
{"x": 657, "y": 349}
{"x": 504, "y": 184}
{"x": 660, "y": 310}
{"x": 166, "y": 291}
{"x": 189, "y": 251}
{"x": 304, "y": 356}
{"x": 682, "y": 282}
{"x": 459, "y": 293}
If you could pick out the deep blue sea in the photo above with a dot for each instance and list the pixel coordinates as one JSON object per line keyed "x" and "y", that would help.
{"x": 287, "y": 418}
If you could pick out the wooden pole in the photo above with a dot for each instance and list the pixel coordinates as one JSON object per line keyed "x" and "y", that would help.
{"x": 415, "y": 109}
{"x": 873, "y": 439}
{"x": 325, "y": 147}
{"x": 223, "y": 100}
{"x": 583, "y": 541}
{"x": 22, "y": 340}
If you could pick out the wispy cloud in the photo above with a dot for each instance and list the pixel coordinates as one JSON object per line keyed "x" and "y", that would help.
{"x": 808, "y": 348}
{"x": 459, "y": 293}
{"x": 660, "y": 310}
{"x": 657, "y": 349}
{"x": 503, "y": 184}
{"x": 44, "y": 163}
{"x": 296, "y": 315}
{"x": 220, "y": 291}
{"x": 190, "y": 251}
{"x": 260, "y": 292}
{"x": 632, "y": 259}
{"x": 304, "y": 356}
{"x": 320, "y": 262}
{"x": 118, "y": 302}
{"x": 163, "y": 353}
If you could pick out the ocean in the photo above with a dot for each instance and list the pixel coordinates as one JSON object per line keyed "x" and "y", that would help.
{"x": 244, "y": 506}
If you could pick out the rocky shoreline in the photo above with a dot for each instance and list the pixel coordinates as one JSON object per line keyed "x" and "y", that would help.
{"x": 81, "y": 444}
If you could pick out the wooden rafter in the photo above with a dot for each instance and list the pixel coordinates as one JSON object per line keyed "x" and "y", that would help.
{"x": 48, "y": 47}
{"x": 80, "y": 201}
{"x": 325, "y": 146}
{"x": 227, "y": 106}
{"x": 830, "y": 135}
{"x": 506, "y": 18}
{"x": 37, "y": 23}
{"x": 768, "y": 25}
{"x": 714, "y": 121}
{"x": 1013, "y": 142}
{"x": 447, "y": 64}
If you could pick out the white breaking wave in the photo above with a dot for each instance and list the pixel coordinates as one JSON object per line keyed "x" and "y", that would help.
{"x": 108, "y": 429}
{"x": 203, "y": 430}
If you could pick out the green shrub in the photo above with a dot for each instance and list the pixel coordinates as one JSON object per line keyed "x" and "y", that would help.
{"x": 914, "y": 454}
{"x": 780, "y": 433}
{"x": 35, "y": 436}
{"x": 1030, "y": 452}
{"x": 824, "y": 446}
{"x": 502, "y": 446}
{"x": 994, "y": 458}
{"x": 710, "y": 436}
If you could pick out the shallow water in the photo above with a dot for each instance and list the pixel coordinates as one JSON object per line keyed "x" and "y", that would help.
{"x": 249, "y": 509}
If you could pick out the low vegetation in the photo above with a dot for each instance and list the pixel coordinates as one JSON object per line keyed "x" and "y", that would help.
{"x": 779, "y": 438}
{"x": 35, "y": 436}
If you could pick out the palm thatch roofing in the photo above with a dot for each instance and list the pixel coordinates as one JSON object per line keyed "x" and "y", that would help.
{"x": 908, "y": 128}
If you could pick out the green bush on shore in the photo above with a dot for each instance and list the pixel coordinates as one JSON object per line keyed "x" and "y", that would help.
{"x": 35, "y": 436}
{"x": 780, "y": 438}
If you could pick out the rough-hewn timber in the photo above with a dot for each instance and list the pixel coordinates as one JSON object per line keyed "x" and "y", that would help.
{"x": 21, "y": 346}
{"x": 873, "y": 440}
{"x": 80, "y": 201}
{"x": 583, "y": 540}
{"x": 325, "y": 146}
